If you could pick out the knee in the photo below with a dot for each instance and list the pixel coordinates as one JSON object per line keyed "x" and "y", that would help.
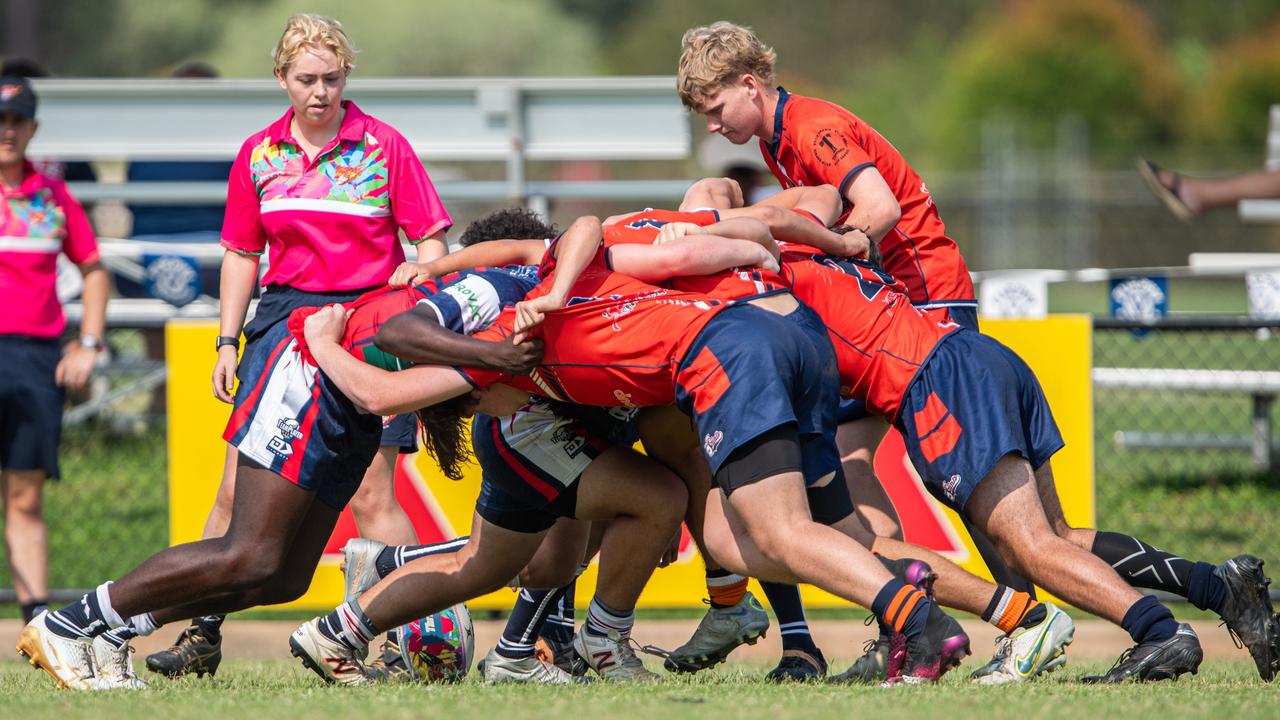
{"x": 25, "y": 500}
{"x": 548, "y": 572}
{"x": 240, "y": 567}
{"x": 282, "y": 590}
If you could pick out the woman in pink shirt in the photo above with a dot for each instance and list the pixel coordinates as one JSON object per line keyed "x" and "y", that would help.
{"x": 38, "y": 219}
{"x": 325, "y": 192}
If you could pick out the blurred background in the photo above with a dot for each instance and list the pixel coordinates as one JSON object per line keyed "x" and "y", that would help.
{"x": 1024, "y": 117}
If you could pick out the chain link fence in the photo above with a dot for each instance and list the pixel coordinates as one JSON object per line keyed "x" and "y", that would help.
{"x": 1185, "y": 439}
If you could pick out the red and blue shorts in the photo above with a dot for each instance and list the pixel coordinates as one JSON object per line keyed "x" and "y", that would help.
{"x": 290, "y": 419}
{"x": 971, "y": 404}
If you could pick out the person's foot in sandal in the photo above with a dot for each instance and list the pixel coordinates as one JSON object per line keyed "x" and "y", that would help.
{"x": 1169, "y": 188}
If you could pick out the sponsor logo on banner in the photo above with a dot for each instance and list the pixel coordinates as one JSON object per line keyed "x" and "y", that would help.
{"x": 1264, "y": 293}
{"x": 1016, "y": 295}
{"x": 1140, "y": 299}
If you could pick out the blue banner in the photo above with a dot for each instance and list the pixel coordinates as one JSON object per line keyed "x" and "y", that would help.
{"x": 1140, "y": 299}
{"x": 174, "y": 279}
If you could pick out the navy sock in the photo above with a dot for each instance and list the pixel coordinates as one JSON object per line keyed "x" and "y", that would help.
{"x": 81, "y": 619}
{"x": 902, "y": 608}
{"x": 560, "y": 623}
{"x": 1205, "y": 589}
{"x": 393, "y": 556}
{"x": 349, "y": 625}
{"x": 527, "y": 620}
{"x": 33, "y": 608}
{"x": 789, "y": 610}
{"x": 1149, "y": 621}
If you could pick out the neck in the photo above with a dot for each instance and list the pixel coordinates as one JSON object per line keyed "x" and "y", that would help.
{"x": 12, "y": 174}
{"x": 768, "y": 108}
{"x": 319, "y": 134}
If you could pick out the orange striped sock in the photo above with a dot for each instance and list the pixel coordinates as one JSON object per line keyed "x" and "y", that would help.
{"x": 1012, "y": 610}
{"x": 900, "y": 608}
{"x": 726, "y": 591}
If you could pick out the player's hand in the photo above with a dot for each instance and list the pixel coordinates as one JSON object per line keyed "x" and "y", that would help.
{"x": 75, "y": 367}
{"x": 856, "y": 244}
{"x": 531, "y": 313}
{"x": 325, "y": 325}
{"x": 514, "y": 358}
{"x": 410, "y": 273}
{"x": 224, "y": 374}
{"x": 673, "y": 231}
{"x": 769, "y": 262}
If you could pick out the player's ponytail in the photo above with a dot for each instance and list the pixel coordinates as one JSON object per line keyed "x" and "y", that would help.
{"x": 444, "y": 435}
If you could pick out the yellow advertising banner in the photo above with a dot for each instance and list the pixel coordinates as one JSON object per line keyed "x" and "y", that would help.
{"x": 1058, "y": 348}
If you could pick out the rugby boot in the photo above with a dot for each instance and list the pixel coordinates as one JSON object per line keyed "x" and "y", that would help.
{"x": 360, "y": 566}
{"x": 561, "y": 654}
{"x": 113, "y": 666}
{"x": 720, "y": 631}
{"x": 873, "y": 665}
{"x": 799, "y": 666}
{"x": 498, "y": 668}
{"x": 611, "y": 657}
{"x": 69, "y": 661}
{"x": 1004, "y": 647}
{"x": 1248, "y": 613}
{"x": 1030, "y": 651}
{"x": 192, "y": 652}
{"x": 389, "y": 666}
{"x": 330, "y": 659}
{"x": 929, "y": 655}
{"x": 1163, "y": 660}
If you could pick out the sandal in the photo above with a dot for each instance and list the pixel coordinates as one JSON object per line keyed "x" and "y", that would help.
{"x": 1167, "y": 194}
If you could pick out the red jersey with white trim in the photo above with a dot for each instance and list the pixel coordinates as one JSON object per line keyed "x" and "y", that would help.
{"x": 816, "y": 142}
{"x": 733, "y": 284}
{"x": 618, "y": 342}
{"x": 880, "y": 339}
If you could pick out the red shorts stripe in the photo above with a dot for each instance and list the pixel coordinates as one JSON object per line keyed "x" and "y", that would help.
{"x": 514, "y": 462}
{"x": 704, "y": 379}
{"x": 942, "y": 440}
{"x": 928, "y": 417}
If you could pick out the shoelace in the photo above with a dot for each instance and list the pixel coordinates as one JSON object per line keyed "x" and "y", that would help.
{"x": 653, "y": 650}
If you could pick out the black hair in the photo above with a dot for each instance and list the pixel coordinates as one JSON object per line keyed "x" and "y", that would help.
{"x": 873, "y": 250}
{"x": 444, "y": 434}
{"x": 508, "y": 224}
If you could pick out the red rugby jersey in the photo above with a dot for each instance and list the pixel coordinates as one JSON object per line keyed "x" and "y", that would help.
{"x": 734, "y": 284}
{"x": 816, "y": 142}
{"x": 617, "y": 342}
{"x": 880, "y": 339}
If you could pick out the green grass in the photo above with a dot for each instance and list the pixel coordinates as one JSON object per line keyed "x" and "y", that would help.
{"x": 282, "y": 690}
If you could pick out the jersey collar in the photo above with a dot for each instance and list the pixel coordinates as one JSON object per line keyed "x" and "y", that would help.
{"x": 776, "y": 141}
{"x": 351, "y": 130}
{"x": 32, "y": 182}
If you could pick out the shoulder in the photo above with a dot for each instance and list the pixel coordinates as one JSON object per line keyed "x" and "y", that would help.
{"x": 814, "y": 114}
{"x": 383, "y": 132}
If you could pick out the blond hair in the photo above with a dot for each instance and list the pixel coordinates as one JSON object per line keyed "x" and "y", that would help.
{"x": 304, "y": 31}
{"x": 714, "y": 56}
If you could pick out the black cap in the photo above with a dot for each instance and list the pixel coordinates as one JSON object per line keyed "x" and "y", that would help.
{"x": 17, "y": 97}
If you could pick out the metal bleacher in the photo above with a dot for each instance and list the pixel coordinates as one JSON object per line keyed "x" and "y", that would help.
{"x": 511, "y": 121}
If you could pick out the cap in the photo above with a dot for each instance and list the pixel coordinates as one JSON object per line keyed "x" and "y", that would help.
{"x": 17, "y": 96}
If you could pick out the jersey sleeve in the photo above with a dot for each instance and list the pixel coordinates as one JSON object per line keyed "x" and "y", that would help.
{"x": 473, "y": 302}
{"x": 80, "y": 245}
{"x": 242, "y": 223}
{"x": 415, "y": 204}
{"x": 828, "y": 147}
{"x": 496, "y": 332}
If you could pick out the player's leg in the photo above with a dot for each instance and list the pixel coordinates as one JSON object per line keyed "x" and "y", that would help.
{"x": 491, "y": 556}
{"x": 198, "y": 648}
{"x": 735, "y": 617}
{"x": 25, "y": 538}
{"x": 717, "y": 192}
{"x": 1237, "y": 590}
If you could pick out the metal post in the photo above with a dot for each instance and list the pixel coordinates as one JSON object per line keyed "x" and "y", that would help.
{"x": 1262, "y": 432}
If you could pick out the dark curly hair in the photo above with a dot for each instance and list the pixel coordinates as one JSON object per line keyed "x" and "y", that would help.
{"x": 444, "y": 434}
{"x": 508, "y": 224}
{"x": 873, "y": 252}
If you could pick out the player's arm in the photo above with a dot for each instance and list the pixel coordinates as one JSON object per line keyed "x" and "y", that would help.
{"x": 494, "y": 253}
{"x": 873, "y": 207}
{"x": 691, "y": 255}
{"x": 416, "y": 335}
{"x": 373, "y": 389}
{"x": 821, "y": 203}
{"x": 573, "y": 252}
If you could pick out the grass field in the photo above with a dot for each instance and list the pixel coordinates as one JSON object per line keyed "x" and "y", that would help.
{"x": 281, "y": 691}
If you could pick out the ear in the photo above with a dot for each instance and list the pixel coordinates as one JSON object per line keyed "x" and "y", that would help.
{"x": 280, "y": 73}
{"x": 751, "y": 83}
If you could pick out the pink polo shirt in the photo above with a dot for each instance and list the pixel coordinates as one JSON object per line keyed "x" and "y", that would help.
{"x": 332, "y": 221}
{"x": 38, "y": 220}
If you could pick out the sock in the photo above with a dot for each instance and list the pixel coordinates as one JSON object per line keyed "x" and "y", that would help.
{"x": 789, "y": 610}
{"x": 210, "y": 627}
{"x": 527, "y": 619}
{"x": 560, "y": 623}
{"x": 602, "y": 619}
{"x": 85, "y": 618}
{"x": 394, "y": 556}
{"x": 725, "y": 589}
{"x": 1149, "y": 621}
{"x": 1205, "y": 589}
{"x": 1034, "y": 616}
{"x": 1007, "y": 608}
{"x": 143, "y": 625}
{"x": 902, "y": 608}
{"x": 350, "y": 626}
{"x": 1142, "y": 565}
{"x": 118, "y": 637}
{"x": 33, "y": 608}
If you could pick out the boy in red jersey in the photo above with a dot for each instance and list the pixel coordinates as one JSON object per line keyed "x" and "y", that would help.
{"x": 726, "y": 74}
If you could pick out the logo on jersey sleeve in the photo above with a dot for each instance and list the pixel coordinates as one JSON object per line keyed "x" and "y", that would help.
{"x": 830, "y": 146}
{"x": 478, "y": 303}
{"x": 646, "y": 223}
